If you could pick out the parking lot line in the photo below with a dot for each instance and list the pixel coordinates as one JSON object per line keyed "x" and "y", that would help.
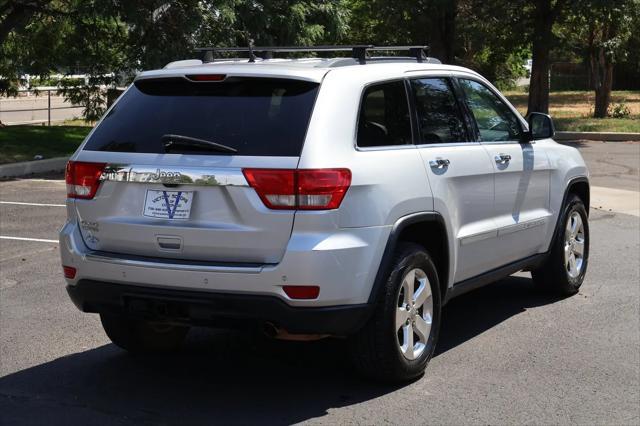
{"x": 19, "y": 203}
{"x": 38, "y": 240}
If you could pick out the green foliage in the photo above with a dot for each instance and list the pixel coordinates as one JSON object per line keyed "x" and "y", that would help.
{"x": 620, "y": 110}
{"x": 483, "y": 35}
{"x": 55, "y": 81}
{"x": 111, "y": 40}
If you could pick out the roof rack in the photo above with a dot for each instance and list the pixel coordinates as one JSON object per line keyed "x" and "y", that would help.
{"x": 358, "y": 51}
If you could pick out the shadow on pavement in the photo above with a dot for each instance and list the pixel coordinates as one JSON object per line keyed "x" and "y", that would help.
{"x": 474, "y": 313}
{"x": 226, "y": 377}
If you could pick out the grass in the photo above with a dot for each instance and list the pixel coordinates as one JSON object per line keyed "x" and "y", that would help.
{"x": 22, "y": 143}
{"x": 573, "y": 111}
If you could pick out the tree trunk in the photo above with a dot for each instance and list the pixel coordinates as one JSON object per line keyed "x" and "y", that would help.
{"x": 539, "y": 83}
{"x": 602, "y": 69}
{"x": 442, "y": 31}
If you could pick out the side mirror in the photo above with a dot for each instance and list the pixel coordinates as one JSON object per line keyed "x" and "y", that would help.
{"x": 540, "y": 126}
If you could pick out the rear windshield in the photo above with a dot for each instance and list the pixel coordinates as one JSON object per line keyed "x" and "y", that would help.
{"x": 255, "y": 116}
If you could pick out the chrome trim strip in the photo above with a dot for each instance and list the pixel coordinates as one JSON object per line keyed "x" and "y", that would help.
{"x": 447, "y": 144}
{"x": 522, "y": 226}
{"x": 509, "y": 142}
{"x": 384, "y": 148}
{"x": 478, "y": 237}
{"x": 175, "y": 266}
{"x": 173, "y": 175}
{"x": 504, "y": 230}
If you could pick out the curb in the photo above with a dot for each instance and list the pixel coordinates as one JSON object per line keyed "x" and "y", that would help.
{"x": 597, "y": 136}
{"x": 29, "y": 167}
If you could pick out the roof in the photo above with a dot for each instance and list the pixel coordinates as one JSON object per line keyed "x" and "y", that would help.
{"x": 308, "y": 69}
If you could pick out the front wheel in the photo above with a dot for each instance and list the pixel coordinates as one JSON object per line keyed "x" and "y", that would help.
{"x": 564, "y": 270}
{"x": 399, "y": 339}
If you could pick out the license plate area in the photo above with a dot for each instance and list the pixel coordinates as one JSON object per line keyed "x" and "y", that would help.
{"x": 172, "y": 205}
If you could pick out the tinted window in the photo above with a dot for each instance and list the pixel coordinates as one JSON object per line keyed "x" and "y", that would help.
{"x": 496, "y": 121}
{"x": 384, "y": 116}
{"x": 439, "y": 118}
{"x": 266, "y": 117}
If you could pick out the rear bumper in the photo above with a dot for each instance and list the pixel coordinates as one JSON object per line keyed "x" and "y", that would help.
{"x": 339, "y": 262}
{"x": 214, "y": 309}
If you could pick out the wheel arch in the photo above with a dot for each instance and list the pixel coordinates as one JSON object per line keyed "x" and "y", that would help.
{"x": 578, "y": 186}
{"x": 427, "y": 229}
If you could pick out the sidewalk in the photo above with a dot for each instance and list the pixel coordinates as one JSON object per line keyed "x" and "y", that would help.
{"x": 597, "y": 136}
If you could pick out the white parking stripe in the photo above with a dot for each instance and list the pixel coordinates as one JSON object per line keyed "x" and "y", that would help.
{"x": 18, "y": 203}
{"x": 38, "y": 240}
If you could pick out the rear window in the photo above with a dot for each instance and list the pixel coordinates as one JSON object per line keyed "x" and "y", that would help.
{"x": 255, "y": 116}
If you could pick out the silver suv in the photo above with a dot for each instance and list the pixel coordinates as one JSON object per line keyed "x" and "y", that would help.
{"x": 315, "y": 197}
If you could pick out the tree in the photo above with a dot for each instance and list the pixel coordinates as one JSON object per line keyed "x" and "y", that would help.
{"x": 15, "y": 14}
{"x": 290, "y": 22}
{"x": 423, "y": 22}
{"x": 110, "y": 39}
{"x": 492, "y": 38}
{"x": 545, "y": 14}
{"x": 606, "y": 26}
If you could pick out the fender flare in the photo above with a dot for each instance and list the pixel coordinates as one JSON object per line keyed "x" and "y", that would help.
{"x": 570, "y": 183}
{"x": 392, "y": 243}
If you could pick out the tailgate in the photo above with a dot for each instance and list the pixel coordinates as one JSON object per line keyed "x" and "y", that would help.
{"x": 172, "y": 152}
{"x": 218, "y": 217}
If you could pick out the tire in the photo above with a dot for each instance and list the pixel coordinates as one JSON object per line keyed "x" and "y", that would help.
{"x": 563, "y": 272}
{"x": 381, "y": 349}
{"x": 140, "y": 336}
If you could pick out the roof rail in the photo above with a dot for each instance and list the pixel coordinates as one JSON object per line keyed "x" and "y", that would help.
{"x": 358, "y": 51}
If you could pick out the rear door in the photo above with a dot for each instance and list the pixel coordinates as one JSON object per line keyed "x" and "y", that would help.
{"x": 170, "y": 190}
{"x": 522, "y": 174}
{"x": 460, "y": 174}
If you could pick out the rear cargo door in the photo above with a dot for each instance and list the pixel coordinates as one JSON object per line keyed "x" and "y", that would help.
{"x": 173, "y": 151}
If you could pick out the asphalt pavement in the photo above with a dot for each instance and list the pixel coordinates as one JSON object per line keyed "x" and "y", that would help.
{"x": 507, "y": 353}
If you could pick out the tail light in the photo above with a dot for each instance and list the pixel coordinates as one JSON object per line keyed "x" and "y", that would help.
{"x": 301, "y": 189}
{"x": 206, "y": 77}
{"x": 83, "y": 179}
{"x": 69, "y": 272}
{"x": 302, "y": 291}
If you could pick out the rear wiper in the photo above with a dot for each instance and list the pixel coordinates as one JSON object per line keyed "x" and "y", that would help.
{"x": 180, "y": 142}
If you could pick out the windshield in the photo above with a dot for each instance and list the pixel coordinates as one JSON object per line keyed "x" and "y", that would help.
{"x": 255, "y": 116}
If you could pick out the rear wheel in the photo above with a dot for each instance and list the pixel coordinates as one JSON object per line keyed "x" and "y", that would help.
{"x": 140, "y": 336}
{"x": 564, "y": 270}
{"x": 399, "y": 339}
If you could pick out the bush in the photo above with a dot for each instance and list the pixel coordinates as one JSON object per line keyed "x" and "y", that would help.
{"x": 620, "y": 110}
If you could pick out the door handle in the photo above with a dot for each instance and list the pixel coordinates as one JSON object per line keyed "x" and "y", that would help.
{"x": 502, "y": 158}
{"x": 439, "y": 163}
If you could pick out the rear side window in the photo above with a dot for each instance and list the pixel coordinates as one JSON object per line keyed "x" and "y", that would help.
{"x": 439, "y": 117}
{"x": 254, "y": 116}
{"x": 384, "y": 116}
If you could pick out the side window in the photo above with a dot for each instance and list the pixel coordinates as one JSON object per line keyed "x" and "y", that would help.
{"x": 384, "y": 116}
{"x": 496, "y": 121}
{"x": 439, "y": 117}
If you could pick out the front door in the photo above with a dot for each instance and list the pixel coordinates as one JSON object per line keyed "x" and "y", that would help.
{"x": 521, "y": 206}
